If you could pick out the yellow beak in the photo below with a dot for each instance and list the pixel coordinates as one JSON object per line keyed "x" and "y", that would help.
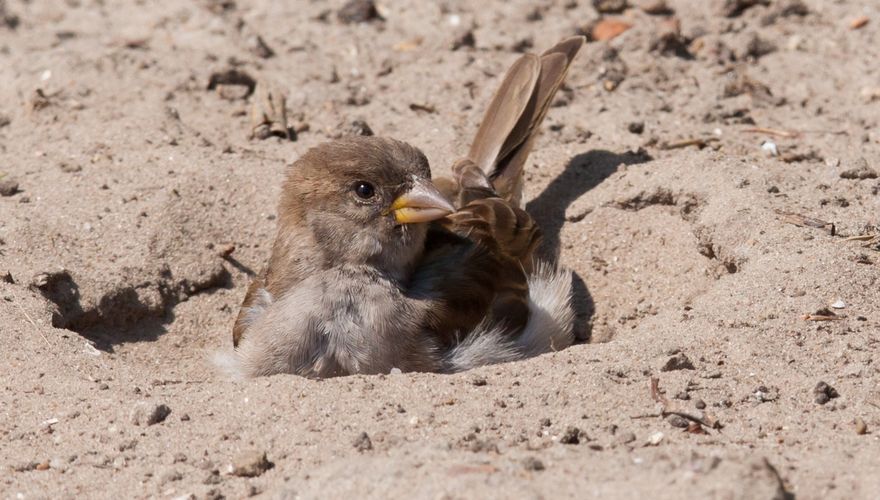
{"x": 422, "y": 203}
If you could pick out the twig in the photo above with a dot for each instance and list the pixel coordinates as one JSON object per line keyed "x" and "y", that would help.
{"x": 804, "y": 221}
{"x": 772, "y": 131}
{"x": 700, "y": 142}
{"x": 657, "y": 396}
{"x": 862, "y": 237}
{"x": 821, "y": 317}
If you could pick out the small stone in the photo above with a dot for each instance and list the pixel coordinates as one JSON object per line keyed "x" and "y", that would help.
{"x": 700, "y": 404}
{"x": 609, "y": 6}
{"x": 251, "y": 463}
{"x": 479, "y": 381}
{"x": 103, "y": 386}
{"x": 678, "y": 362}
{"x": 824, "y": 393}
{"x": 8, "y": 187}
{"x": 683, "y": 396}
{"x": 733, "y": 8}
{"x": 654, "y": 439}
{"x": 655, "y": 7}
{"x": 184, "y": 417}
{"x": 358, "y": 11}
{"x": 571, "y": 436}
{"x": 149, "y": 413}
{"x": 838, "y": 304}
{"x": 358, "y": 127}
{"x": 678, "y": 421}
{"x": 860, "y": 171}
{"x": 363, "y": 443}
{"x": 769, "y": 148}
{"x": 533, "y": 464}
{"x": 636, "y": 127}
{"x": 464, "y": 38}
{"x": 861, "y": 426}
{"x": 545, "y": 422}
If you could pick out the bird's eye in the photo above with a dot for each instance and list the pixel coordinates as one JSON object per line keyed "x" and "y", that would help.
{"x": 364, "y": 190}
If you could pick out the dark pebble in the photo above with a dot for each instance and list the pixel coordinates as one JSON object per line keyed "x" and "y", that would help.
{"x": 678, "y": 421}
{"x": 358, "y": 11}
{"x": 532, "y": 463}
{"x": 824, "y": 393}
{"x": 8, "y": 187}
{"x": 677, "y": 362}
{"x": 571, "y": 436}
{"x": 363, "y": 442}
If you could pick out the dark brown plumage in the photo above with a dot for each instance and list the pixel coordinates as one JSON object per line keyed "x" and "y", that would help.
{"x": 397, "y": 279}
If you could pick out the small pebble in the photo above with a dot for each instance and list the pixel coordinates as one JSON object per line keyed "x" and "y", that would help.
{"x": 363, "y": 443}
{"x": 532, "y": 463}
{"x": 251, "y": 463}
{"x": 860, "y": 171}
{"x": 678, "y": 421}
{"x": 358, "y": 11}
{"x": 654, "y": 439}
{"x": 861, "y": 426}
{"x": 479, "y": 381}
{"x": 700, "y": 404}
{"x": 571, "y": 436}
{"x": 8, "y": 187}
{"x": 149, "y": 413}
{"x": 609, "y": 6}
{"x": 636, "y": 127}
{"x": 770, "y": 148}
{"x": 824, "y": 393}
{"x": 839, "y": 304}
{"x": 678, "y": 362}
{"x": 463, "y": 39}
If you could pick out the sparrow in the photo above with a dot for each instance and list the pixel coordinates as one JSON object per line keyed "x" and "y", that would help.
{"x": 376, "y": 267}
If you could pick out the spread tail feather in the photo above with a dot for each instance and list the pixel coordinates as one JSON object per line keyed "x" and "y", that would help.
{"x": 550, "y": 326}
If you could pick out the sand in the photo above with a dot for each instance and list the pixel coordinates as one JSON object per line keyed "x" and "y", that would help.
{"x": 142, "y": 206}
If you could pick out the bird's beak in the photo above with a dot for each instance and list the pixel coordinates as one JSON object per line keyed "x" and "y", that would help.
{"x": 422, "y": 203}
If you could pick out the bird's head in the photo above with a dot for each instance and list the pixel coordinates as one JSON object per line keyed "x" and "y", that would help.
{"x": 365, "y": 200}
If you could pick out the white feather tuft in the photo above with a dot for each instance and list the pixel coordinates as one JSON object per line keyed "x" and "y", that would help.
{"x": 550, "y": 326}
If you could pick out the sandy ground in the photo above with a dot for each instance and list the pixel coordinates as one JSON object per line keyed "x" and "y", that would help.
{"x": 695, "y": 263}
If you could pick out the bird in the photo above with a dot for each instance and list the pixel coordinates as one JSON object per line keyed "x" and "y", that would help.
{"x": 376, "y": 267}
